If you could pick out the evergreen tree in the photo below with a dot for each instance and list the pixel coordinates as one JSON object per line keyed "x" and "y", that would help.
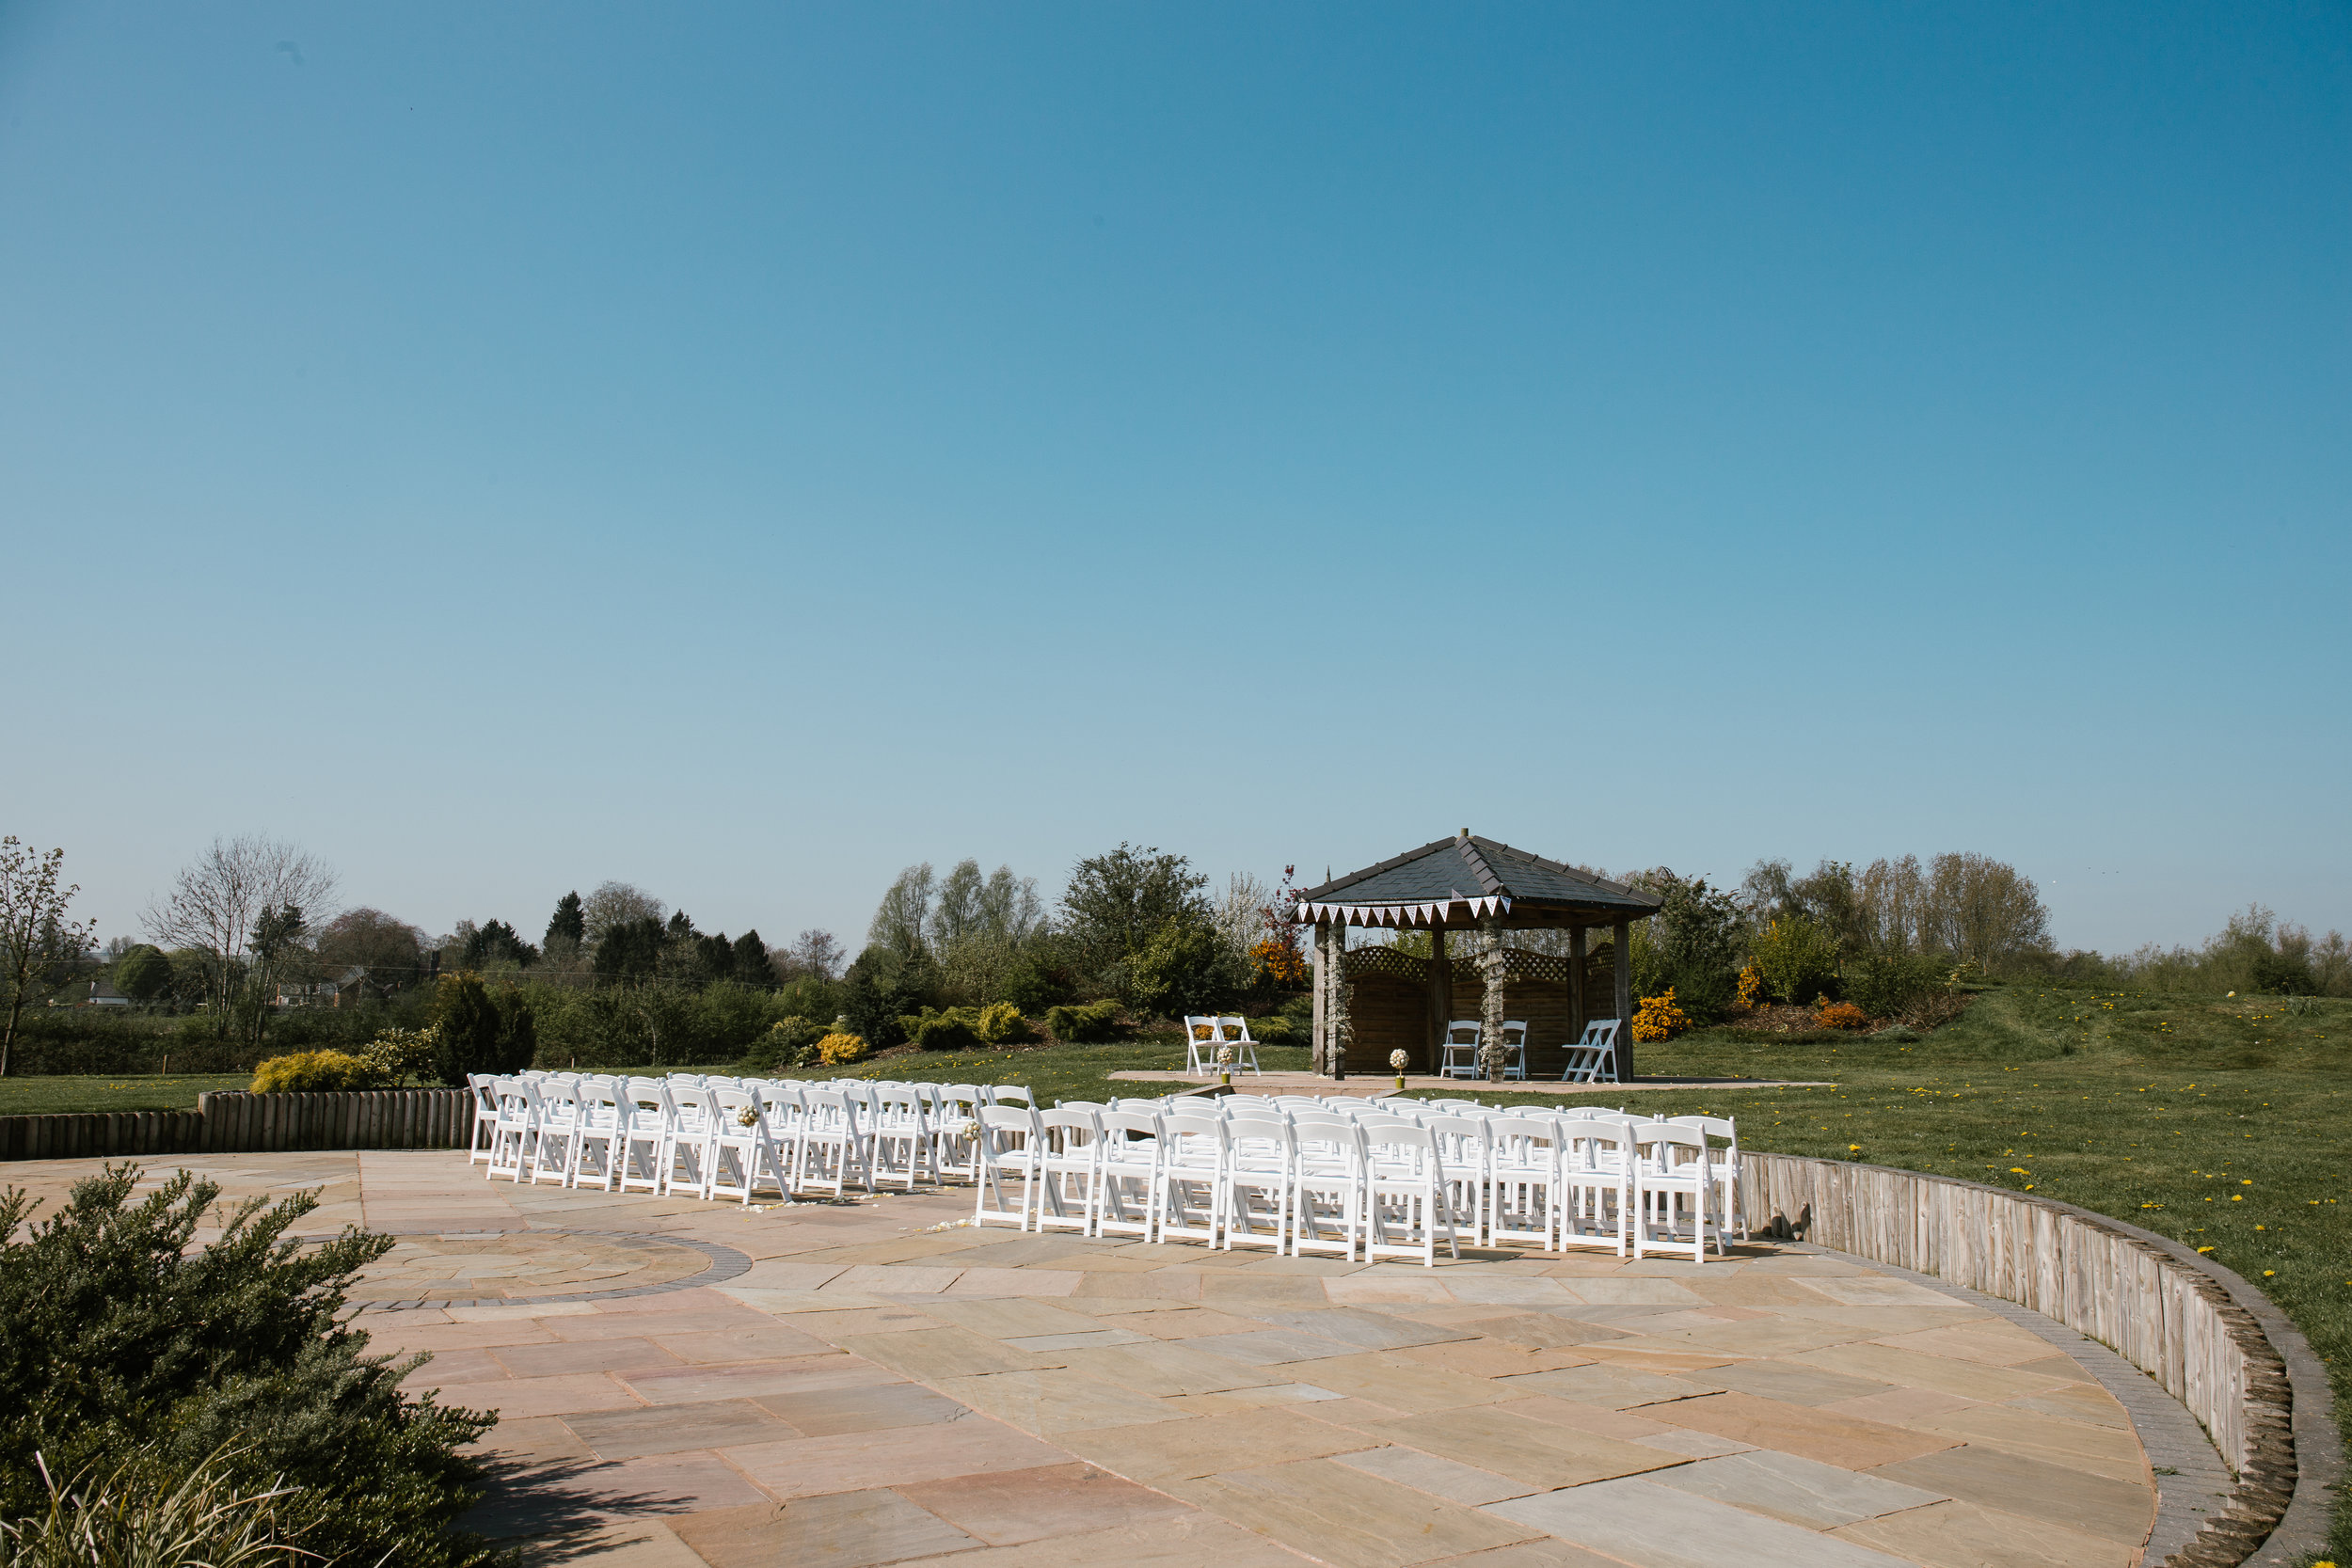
{"x": 752, "y": 967}
{"x": 571, "y": 921}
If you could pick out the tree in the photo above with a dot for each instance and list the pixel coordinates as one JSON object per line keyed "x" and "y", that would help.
{"x": 494, "y": 942}
{"x": 569, "y": 921}
{"x": 33, "y": 931}
{"x": 1982, "y": 912}
{"x": 617, "y": 903}
{"x": 1118, "y": 902}
{"x": 902, "y": 920}
{"x": 143, "y": 973}
{"x": 752, "y": 967}
{"x": 215, "y": 907}
{"x": 815, "y": 953}
{"x": 478, "y": 1033}
{"x": 631, "y": 953}
{"x": 389, "y": 949}
{"x": 1187, "y": 967}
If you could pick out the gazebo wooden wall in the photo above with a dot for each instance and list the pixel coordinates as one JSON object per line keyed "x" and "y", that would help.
{"x": 1390, "y": 1004}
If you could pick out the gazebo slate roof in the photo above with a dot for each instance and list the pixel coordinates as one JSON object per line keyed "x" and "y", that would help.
{"x": 1474, "y": 867}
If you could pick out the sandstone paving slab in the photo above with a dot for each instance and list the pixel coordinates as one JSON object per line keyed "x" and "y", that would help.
{"x": 1187, "y": 1322}
{"x": 2058, "y": 1369}
{"x": 1802, "y": 1491}
{"x": 1163, "y": 1369}
{"x": 1154, "y": 1284}
{"x": 693, "y": 1384}
{"x": 883, "y": 1317}
{"x": 2053, "y": 1439}
{"x": 1164, "y": 1452}
{"x": 810, "y": 1466}
{"x": 614, "y": 1492}
{"x": 1611, "y": 1388}
{"x": 1485, "y": 1357}
{"x": 1991, "y": 1340}
{"x": 1538, "y": 1453}
{"x": 861, "y": 1407}
{"x": 2012, "y": 1483}
{"x": 1032, "y": 1283}
{"x": 1358, "y": 1326}
{"x": 1397, "y": 1381}
{"x": 932, "y": 1354}
{"x": 1964, "y": 1535}
{"x": 676, "y": 1428}
{"x": 516, "y": 1396}
{"x": 638, "y": 1544}
{"x": 1007, "y": 1508}
{"x": 592, "y": 1355}
{"x": 1801, "y": 1430}
{"x": 1275, "y": 1347}
{"x": 1909, "y": 1369}
{"x": 1795, "y": 1382}
{"x": 452, "y": 1365}
{"x": 1187, "y": 1542}
{"x": 1649, "y": 1526}
{"x": 846, "y": 1529}
{"x": 1345, "y": 1518}
{"x": 2080, "y": 1401}
{"x": 1363, "y": 1289}
{"x": 1441, "y": 1478}
{"x": 1542, "y": 1553}
{"x": 1057, "y": 1401}
{"x": 1617, "y": 1291}
{"x": 758, "y": 1342}
{"x": 904, "y": 1279}
{"x": 531, "y": 1438}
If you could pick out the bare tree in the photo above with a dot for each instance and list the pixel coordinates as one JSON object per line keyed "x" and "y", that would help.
{"x": 216, "y": 909}
{"x": 813, "y": 952}
{"x": 618, "y": 904}
{"x": 902, "y": 921}
{"x": 33, "y": 927}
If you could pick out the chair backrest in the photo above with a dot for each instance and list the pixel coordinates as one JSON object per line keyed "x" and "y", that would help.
{"x": 1233, "y": 1029}
{"x": 1120, "y": 1127}
{"x": 1587, "y": 1136}
{"x": 1012, "y": 1094}
{"x": 1418, "y": 1143}
{"x": 1071, "y": 1127}
{"x": 1464, "y": 1139}
{"x": 1457, "y": 1030}
{"x": 1517, "y": 1135}
{"x": 1601, "y": 1032}
{"x": 1322, "y": 1136}
{"x": 1257, "y": 1127}
{"x": 1714, "y": 1127}
{"x": 1670, "y": 1143}
{"x": 1201, "y": 1027}
{"x": 1005, "y": 1128}
{"x": 1514, "y": 1030}
{"x": 740, "y": 1112}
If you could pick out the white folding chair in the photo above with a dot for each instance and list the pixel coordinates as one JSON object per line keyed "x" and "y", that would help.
{"x": 1131, "y": 1173}
{"x": 1254, "y": 1204}
{"x": 644, "y": 1134}
{"x": 1726, "y": 1163}
{"x": 1326, "y": 1186}
{"x": 1593, "y": 1059}
{"x": 1523, "y": 1174}
{"x": 1405, "y": 1184}
{"x": 555, "y": 1122}
{"x": 1008, "y": 1144}
{"x": 1200, "y": 1045}
{"x": 1465, "y": 1152}
{"x": 834, "y": 1148}
{"x": 1070, "y": 1169}
{"x": 1596, "y": 1181}
{"x": 1012, "y": 1094}
{"x": 953, "y": 1146}
{"x": 1458, "y": 1051}
{"x": 1515, "y": 1041}
{"x": 1234, "y": 1029}
{"x": 687, "y": 1139}
{"x": 1192, "y": 1174}
{"x": 485, "y": 1116}
{"x": 1674, "y": 1191}
{"x": 901, "y": 1141}
{"x": 512, "y": 1133}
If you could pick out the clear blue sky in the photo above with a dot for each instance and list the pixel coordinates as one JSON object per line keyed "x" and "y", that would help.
{"x": 745, "y": 450}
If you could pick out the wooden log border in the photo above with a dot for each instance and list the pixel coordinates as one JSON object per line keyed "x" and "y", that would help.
{"x": 2204, "y": 1334}
{"x": 237, "y": 1122}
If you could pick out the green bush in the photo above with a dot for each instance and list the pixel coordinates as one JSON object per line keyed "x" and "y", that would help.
{"x": 1094, "y": 1023}
{"x": 143, "y": 1513}
{"x": 955, "y": 1029}
{"x": 789, "y": 1042}
{"x": 480, "y": 1033}
{"x": 1187, "y": 967}
{"x": 1001, "y": 1024}
{"x": 1885, "y": 985}
{"x": 115, "y": 1333}
{"x": 312, "y": 1071}
{"x": 1275, "y": 1030}
{"x": 1797, "y": 960}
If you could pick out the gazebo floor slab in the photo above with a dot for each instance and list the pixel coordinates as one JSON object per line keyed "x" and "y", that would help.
{"x": 884, "y": 1382}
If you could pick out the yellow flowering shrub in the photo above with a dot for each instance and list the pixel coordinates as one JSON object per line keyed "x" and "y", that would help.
{"x": 1277, "y": 963}
{"x": 834, "y": 1049}
{"x": 1659, "y": 1019}
{"x": 1751, "y": 985}
{"x": 311, "y": 1072}
{"x": 1001, "y": 1024}
{"x": 1841, "y": 1015}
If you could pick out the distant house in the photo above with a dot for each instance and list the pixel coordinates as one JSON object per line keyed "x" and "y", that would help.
{"x": 103, "y": 994}
{"x": 346, "y": 991}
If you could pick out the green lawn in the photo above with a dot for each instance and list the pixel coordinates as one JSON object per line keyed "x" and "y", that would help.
{"x": 24, "y": 1097}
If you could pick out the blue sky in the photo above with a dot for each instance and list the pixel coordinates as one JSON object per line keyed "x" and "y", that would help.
{"x": 745, "y": 450}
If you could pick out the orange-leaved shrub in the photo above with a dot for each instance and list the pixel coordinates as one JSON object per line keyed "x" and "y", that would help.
{"x": 1841, "y": 1015}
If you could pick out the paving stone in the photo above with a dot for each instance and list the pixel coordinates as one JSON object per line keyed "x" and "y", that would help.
{"x": 1794, "y": 1382}
{"x": 1911, "y": 1369}
{"x": 807, "y": 1466}
{"x": 1161, "y": 1369}
{"x": 1801, "y": 1430}
{"x": 1650, "y": 1526}
{"x": 2012, "y": 1483}
{"x": 1963, "y": 1535}
{"x": 2054, "y": 1439}
{"x": 1185, "y": 1541}
{"x": 1444, "y": 1477}
{"x": 1345, "y": 1518}
{"x": 1539, "y": 1453}
{"x": 864, "y": 1407}
{"x": 1009, "y": 1507}
{"x": 1166, "y": 1451}
{"x": 1801, "y": 1491}
{"x": 674, "y": 1427}
{"x": 1613, "y": 1387}
{"x": 845, "y": 1529}
{"x": 594, "y": 1356}
{"x": 1057, "y": 1399}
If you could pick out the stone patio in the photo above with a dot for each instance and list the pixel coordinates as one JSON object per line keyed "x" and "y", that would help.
{"x": 835, "y": 1386}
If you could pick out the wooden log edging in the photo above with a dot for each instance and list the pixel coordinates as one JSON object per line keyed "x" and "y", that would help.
{"x": 238, "y": 1122}
{"x": 2202, "y": 1334}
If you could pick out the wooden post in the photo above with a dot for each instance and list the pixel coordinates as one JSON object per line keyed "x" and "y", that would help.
{"x": 1440, "y": 995}
{"x": 1575, "y": 984}
{"x": 1620, "y": 931}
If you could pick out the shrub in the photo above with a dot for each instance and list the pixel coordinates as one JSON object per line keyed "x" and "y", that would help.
{"x": 1275, "y": 964}
{"x": 142, "y": 1511}
{"x": 311, "y": 1072}
{"x": 834, "y": 1049}
{"x": 1273, "y": 1030}
{"x": 398, "y": 1055}
{"x": 477, "y": 1033}
{"x": 120, "y": 1335}
{"x": 1797, "y": 959}
{"x": 1659, "y": 1019}
{"x": 1751, "y": 986}
{"x": 1885, "y": 985}
{"x": 788, "y": 1042}
{"x": 1187, "y": 967}
{"x": 1095, "y": 1023}
{"x": 1841, "y": 1015}
{"x": 955, "y": 1029}
{"x": 1001, "y": 1024}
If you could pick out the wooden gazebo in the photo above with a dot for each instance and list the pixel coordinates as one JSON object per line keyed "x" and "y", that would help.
{"x": 1376, "y": 1000}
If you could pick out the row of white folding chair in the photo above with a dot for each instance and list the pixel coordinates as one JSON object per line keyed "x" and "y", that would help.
{"x": 1205, "y": 1032}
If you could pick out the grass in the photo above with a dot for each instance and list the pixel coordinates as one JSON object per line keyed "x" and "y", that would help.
{"x": 24, "y": 1097}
